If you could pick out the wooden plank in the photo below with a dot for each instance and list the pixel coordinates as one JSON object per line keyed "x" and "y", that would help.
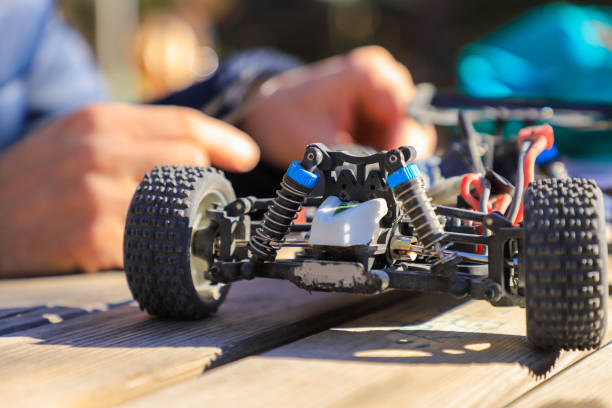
{"x": 27, "y": 303}
{"x": 32, "y": 302}
{"x": 108, "y": 357}
{"x": 472, "y": 355}
{"x": 82, "y": 291}
{"x": 588, "y": 383}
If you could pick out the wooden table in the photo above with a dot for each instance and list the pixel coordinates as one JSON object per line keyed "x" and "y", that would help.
{"x": 81, "y": 341}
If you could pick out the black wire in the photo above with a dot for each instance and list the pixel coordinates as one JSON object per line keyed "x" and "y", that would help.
{"x": 486, "y": 195}
{"x": 520, "y": 181}
{"x": 489, "y": 155}
{"x": 484, "y": 201}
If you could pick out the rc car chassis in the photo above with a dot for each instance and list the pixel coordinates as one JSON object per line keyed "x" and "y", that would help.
{"x": 540, "y": 245}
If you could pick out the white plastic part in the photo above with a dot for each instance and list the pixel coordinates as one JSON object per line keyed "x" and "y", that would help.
{"x": 344, "y": 224}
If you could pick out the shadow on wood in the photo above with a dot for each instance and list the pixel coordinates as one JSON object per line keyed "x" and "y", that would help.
{"x": 112, "y": 356}
{"x": 430, "y": 329}
{"x": 23, "y": 318}
{"x": 394, "y": 345}
{"x": 591, "y": 403}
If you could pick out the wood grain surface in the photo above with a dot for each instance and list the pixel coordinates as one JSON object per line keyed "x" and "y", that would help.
{"x": 87, "y": 344}
{"x": 85, "y": 291}
{"x": 104, "y": 358}
{"x": 27, "y": 303}
{"x": 411, "y": 354}
{"x": 587, "y": 384}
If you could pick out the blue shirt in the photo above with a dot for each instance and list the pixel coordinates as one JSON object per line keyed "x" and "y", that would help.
{"x": 46, "y": 69}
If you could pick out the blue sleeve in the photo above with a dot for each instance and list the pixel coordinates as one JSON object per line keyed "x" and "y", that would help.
{"x": 239, "y": 71}
{"x": 63, "y": 75}
{"x": 47, "y": 69}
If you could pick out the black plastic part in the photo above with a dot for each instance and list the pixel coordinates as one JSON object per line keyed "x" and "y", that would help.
{"x": 499, "y": 184}
{"x": 472, "y": 140}
{"x": 462, "y": 246}
{"x": 359, "y": 178}
{"x": 517, "y": 197}
{"x": 157, "y": 242}
{"x": 460, "y": 213}
{"x": 564, "y": 260}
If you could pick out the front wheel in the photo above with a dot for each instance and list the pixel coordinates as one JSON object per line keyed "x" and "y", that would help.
{"x": 165, "y": 275}
{"x": 565, "y": 261}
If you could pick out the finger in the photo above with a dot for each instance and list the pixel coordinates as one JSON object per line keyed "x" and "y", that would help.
{"x": 227, "y": 146}
{"x": 136, "y": 162}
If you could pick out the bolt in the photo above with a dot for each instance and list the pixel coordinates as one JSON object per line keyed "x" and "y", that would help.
{"x": 247, "y": 270}
{"x": 393, "y": 158}
{"x": 493, "y": 293}
{"x": 489, "y": 222}
{"x": 310, "y": 156}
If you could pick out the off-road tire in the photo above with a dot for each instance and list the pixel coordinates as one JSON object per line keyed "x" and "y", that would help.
{"x": 565, "y": 262}
{"x": 165, "y": 211}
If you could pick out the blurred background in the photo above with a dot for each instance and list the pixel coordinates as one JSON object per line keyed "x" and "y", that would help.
{"x": 148, "y": 48}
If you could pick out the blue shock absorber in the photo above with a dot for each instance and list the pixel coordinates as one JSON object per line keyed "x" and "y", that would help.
{"x": 408, "y": 187}
{"x": 296, "y": 185}
{"x": 402, "y": 175}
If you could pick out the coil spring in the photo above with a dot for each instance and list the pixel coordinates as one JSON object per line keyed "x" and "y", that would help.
{"x": 420, "y": 211}
{"x": 268, "y": 237}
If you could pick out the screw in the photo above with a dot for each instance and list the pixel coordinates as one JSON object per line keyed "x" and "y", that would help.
{"x": 493, "y": 293}
{"x": 310, "y": 156}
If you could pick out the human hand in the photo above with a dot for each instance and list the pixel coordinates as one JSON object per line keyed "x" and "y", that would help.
{"x": 357, "y": 98}
{"x": 66, "y": 188}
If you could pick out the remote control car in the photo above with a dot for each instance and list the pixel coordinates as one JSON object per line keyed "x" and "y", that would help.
{"x": 366, "y": 224}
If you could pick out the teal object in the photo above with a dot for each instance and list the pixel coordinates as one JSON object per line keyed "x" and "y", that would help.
{"x": 557, "y": 52}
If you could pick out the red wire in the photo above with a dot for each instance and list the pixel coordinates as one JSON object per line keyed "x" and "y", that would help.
{"x": 544, "y": 139}
{"x": 503, "y": 202}
{"x": 466, "y": 183}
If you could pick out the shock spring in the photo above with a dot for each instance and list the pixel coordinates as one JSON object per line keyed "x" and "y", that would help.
{"x": 268, "y": 237}
{"x": 420, "y": 211}
{"x": 409, "y": 189}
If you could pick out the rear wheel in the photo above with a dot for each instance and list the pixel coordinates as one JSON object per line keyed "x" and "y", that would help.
{"x": 565, "y": 262}
{"x": 165, "y": 275}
